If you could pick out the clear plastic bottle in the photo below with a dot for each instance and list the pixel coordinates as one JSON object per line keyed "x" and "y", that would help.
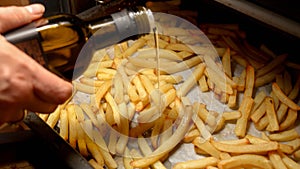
{"x": 56, "y": 41}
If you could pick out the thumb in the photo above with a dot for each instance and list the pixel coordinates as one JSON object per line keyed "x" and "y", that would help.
{"x": 16, "y": 16}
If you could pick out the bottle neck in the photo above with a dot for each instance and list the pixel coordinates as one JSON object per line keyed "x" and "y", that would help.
{"x": 128, "y": 22}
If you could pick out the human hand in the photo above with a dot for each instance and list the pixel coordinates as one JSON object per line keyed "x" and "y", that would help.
{"x": 24, "y": 84}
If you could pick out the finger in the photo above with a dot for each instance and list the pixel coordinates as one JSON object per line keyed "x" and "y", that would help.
{"x": 13, "y": 16}
{"x": 51, "y": 88}
{"x": 36, "y": 105}
{"x": 11, "y": 115}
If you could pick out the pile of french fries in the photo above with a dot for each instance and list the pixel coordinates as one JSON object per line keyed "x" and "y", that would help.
{"x": 131, "y": 96}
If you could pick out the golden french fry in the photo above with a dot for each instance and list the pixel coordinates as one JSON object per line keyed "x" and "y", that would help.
{"x": 90, "y": 82}
{"x": 291, "y": 164}
{"x": 72, "y": 125}
{"x": 289, "y": 120}
{"x": 146, "y": 150}
{"x": 258, "y": 113}
{"x": 258, "y": 100}
{"x": 115, "y": 109}
{"x": 163, "y": 53}
{"x": 54, "y": 117}
{"x": 169, "y": 144}
{"x": 94, "y": 164}
{"x": 191, "y": 135}
{"x": 64, "y": 124}
{"x": 189, "y": 83}
{"x": 251, "y": 160}
{"x": 81, "y": 143}
{"x": 103, "y": 89}
{"x": 207, "y": 147}
{"x": 271, "y": 114}
{"x": 179, "y": 47}
{"x": 203, "y": 84}
{"x": 269, "y": 77}
{"x": 226, "y": 61}
{"x": 247, "y": 148}
{"x": 234, "y": 115}
{"x": 118, "y": 88}
{"x": 275, "y": 62}
{"x": 199, "y": 163}
{"x": 94, "y": 150}
{"x": 140, "y": 88}
{"x": 241, "y": 124}
{"x": 249, "y": 84}
{"x": 276, "y": 160}
{"x": 284, "y": 98}
{"x": 286, "y": 135}
{"x": 134, "y": 47}
{"x": 219, "y": 81}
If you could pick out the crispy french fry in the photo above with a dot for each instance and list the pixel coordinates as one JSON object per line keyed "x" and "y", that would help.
{"x": 54, "y": 117}
{"x": 276, "y": 160}
{"x": 250, "y": 78}
{"x": 241, "y": 124}
{"x": 284, "y": 98}
{"x": 64, "y": 124}
{"x": 146, "y": 150}
{"x": 226, "y": 61}
{"x": 248, "y": 148}
{"x": 289, "y": 120}
{"x": 134, "y": 47}
{"x": 102, "y": 91}
{"x": 286, "y": 135}
{"x": 207, "y": 147}
{"x": 291, "y": 164}
{"x": 271, "y": 114}
{"x": 275, "y": 62}
{"x": 199, "y": 163}
{"x": 251, "y": 160}
{"x": 189, "y": 83}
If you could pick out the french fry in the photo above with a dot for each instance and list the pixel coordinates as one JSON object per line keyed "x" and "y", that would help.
{"x": 114, "y": 107}
{"x": 168, "y": 145}
{"x": 72, "y": 126}
{"x": 94, "y": 150}
{"x": 163, "y": 53}
{"x": 203, "y": 84}
{"x": 102, "y": 91}
{"x": 199, "y": 163}
{"x": 134, "y": 47}
{"x": 64, "y": 124}
{"x": 189, "y": 83}
{"x": 251, "y": 160}
{"x": 54, "y": 117}
{"x": 231, "y": 115}
{"x": 258, "y": 113}
{"x": 249, "y": 85}
{"x": 271, "y": 114}
{"x": 226, "y": 61}
{"x": 276, "y": 160}
{"x": 291, "y": 164}
{"x": 207, "y": 147}
{"x": 94, "y": 164}
{"x": 146, "y": 150}
{"x": 81, "y": 143}
{"x": 118, "y": 86}
{"x": 191, "y": 135}
{"x": 268, "y": 78}
{"x": 289, "y": 120}
{"x": 241, "y": 124}
{"x": 275, "y": 62}
{"x": 248, "y": 148}
{"x": 286, "y": 135}
{"x": 284, "y": 98}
